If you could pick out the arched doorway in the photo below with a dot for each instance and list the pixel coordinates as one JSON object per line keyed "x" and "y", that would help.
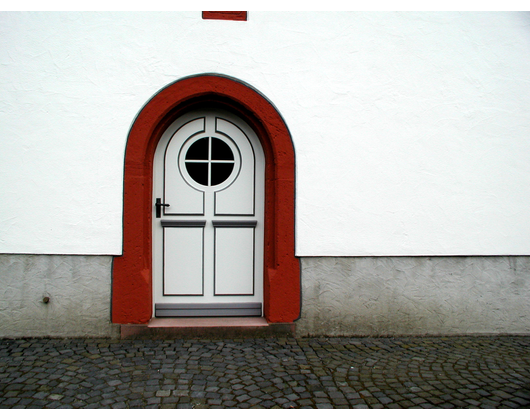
{"x": 132, "y": 289}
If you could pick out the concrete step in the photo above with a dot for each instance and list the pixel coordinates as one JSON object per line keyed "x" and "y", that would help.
{"x": 230, "y": 327}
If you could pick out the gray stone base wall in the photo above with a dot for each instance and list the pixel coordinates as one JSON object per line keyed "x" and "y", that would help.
{"x": 78, "y": 288}
{"x": 415, "y": 296}
{"x": 340, "y": 296}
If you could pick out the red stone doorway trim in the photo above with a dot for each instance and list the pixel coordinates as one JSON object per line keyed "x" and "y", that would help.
{"x": 132, "y": 272}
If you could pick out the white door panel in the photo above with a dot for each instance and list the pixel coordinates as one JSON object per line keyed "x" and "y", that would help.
{"x": 234, "y": 279}
{"x": 239, "y": 198}
{"x": 183, "y": 197}
{"x": 183, "y": 261}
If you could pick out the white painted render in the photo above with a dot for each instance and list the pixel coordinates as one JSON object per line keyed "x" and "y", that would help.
{"x": 411, "y": 130}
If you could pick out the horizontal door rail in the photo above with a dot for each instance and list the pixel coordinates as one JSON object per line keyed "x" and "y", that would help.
{"x": 183, "y": 223}
{"x": 234, "y": 223}
{"x": 207, "y": 309}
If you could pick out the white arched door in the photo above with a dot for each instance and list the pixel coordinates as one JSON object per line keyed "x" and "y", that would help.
{"x": 208, "y": 213}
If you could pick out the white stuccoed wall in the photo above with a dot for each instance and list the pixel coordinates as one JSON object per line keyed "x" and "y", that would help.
{"x": 411, "y": 129}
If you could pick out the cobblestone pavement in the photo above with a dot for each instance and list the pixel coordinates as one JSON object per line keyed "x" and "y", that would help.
{"x": 456, "y": 372}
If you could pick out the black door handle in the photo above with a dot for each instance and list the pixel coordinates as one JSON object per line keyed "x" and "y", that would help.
{"x": 159, "y": 206}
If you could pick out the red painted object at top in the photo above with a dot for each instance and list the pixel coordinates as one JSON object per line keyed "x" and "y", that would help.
{"x": 225, "y": 15}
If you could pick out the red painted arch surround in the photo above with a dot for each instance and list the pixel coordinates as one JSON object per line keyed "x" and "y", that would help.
{"x": 132, "y": 272}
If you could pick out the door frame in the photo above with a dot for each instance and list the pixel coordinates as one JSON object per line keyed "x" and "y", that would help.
{"x": 208, "y": 214}
{"x": 132, "y": 297}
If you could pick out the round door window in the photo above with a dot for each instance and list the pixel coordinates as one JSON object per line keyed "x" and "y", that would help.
{"x": 209, "y": 161}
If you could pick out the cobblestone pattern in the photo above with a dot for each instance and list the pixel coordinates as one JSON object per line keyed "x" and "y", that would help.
{"x": 456, "y": 372}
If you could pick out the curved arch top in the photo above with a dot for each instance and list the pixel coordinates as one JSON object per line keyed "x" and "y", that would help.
{"x": 132, "y": 279}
